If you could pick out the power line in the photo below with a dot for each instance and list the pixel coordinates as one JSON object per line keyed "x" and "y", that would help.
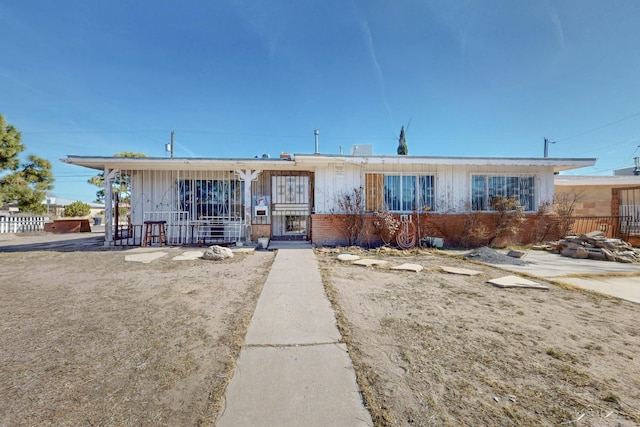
{"x": 602, "y": 127}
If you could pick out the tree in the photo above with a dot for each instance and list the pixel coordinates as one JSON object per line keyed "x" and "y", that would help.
{"x": 403, "y": 150}
{"x": 10, "y": 146}
{"x": 23, "y": 184}
{"x": 77, "y": 208}
{"x": 98, "y": 180}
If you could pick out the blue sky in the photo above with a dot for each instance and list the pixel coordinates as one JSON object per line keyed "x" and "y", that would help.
{"x": 243, "y": 78}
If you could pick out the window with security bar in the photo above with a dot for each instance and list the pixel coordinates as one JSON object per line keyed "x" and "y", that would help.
{"x": 399, "y": 193}
{"x": 211, "y": 198}
{"x": 486, "y": 187}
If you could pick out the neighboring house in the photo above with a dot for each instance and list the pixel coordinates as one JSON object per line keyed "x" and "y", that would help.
{"x": 294, "y": 197}
{"x": 56, "y": 205}
{"x": 598, "y": 196}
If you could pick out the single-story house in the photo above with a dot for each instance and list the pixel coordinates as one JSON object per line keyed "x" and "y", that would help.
{"x": 604, "y": 196}
{"x": 297, "y": 196}
{"x": 56, "y": 205}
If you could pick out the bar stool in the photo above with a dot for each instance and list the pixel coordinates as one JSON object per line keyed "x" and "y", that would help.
{"x": 154, "y": 230}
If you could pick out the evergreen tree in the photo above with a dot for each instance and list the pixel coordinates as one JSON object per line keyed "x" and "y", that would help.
{"x": 403, "y": 150}
{"x": 22, "y": 184}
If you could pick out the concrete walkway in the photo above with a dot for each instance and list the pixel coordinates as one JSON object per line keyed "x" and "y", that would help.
{"x": 293, "y": 369}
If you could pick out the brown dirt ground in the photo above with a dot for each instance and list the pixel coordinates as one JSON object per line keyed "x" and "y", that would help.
{"x": 432, "y": 348}
{"x": 89, "y": 339}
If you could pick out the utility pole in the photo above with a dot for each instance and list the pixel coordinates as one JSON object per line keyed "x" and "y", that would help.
{"x": 172, "y": 132}
{"x": 546, "y": 147}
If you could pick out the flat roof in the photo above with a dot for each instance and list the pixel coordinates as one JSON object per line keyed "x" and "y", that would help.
{"x": 302, "y": 161}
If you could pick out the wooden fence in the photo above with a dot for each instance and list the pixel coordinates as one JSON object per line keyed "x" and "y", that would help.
{"x": 19, "y": 224}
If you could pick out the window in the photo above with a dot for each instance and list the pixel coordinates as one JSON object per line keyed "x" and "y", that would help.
{"x": 401, "y": 193}
{"x": 211, "y": 197}
{"x": 486, "y": 187}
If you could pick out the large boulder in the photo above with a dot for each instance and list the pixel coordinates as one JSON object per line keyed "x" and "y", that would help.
{"x": 216, "y": 253}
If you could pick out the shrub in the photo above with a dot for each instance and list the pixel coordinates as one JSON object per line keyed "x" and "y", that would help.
{"x": 350, "y": 210}
{"x": 385, "y": 226}
{"x": 77, "y": 208}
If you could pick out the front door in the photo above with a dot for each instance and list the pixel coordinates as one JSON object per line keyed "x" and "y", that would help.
{"x": 290, "y": 200}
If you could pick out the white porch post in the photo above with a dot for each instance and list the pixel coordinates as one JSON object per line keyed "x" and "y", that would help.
{"x": 109, "y": 176}
{"x": 247, "y": 176}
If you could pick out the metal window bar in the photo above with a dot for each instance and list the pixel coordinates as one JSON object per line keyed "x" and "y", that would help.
{"x": 290, "y": 224}
{"x": 406, "y": 193}
{"x": 486, "y": 187}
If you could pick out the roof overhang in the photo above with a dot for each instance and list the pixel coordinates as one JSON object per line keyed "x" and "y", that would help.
{"x": 311, "y": 161}
{"x": 585, "y": 181}
{"x": 162, "y": 163}
{"x": 558, "y": 164}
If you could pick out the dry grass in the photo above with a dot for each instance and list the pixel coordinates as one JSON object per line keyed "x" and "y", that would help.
{"x": 89, "y": 339}
{"x": 441, "y": 349}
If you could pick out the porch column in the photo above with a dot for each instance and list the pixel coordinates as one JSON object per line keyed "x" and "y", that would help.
{"x": 247, "y": 176}
{"x": 109, "y": 176}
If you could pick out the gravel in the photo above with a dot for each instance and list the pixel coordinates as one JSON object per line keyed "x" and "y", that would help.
{"x": 490, "y": 256}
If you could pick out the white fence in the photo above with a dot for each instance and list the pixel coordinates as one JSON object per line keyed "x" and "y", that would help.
{"x": 18, "y": 224}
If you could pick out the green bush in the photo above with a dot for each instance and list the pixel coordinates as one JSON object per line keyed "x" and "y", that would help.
{"x": 77, "y": 208}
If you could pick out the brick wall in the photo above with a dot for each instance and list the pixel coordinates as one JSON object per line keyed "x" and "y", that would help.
{"x": 326, "y": 230}
{"x": 260, "y": 230}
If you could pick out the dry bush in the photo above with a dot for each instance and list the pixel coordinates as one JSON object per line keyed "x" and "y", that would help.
{"x": 350, "y": 211}
{"x": 385, "y": 226}
{"x": 564, "y": 205}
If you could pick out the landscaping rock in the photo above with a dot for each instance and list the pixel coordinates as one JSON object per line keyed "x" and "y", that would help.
{"x": 217, "y": 253}
{"x": 596, "y": 245}
{"x": 515, "y": 254}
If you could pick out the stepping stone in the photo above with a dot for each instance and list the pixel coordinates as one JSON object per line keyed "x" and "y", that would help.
{"x": 348, "y": 257}
{"x": 369, "y": 262}
{"x": 515, "y": 282}
{"x": 463, "y": 271}
{"x": 188, "y": 256}
{"x": 145, "y": 258}
{"x": 408, "y": 267}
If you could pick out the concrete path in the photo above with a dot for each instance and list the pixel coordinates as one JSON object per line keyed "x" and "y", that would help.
{"x": 293, "y": 369}
{"x": 555, "y": 267}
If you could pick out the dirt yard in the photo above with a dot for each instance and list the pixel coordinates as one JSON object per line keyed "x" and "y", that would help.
{"x": 90, "y": 339}
{"x": 433, "y": 348}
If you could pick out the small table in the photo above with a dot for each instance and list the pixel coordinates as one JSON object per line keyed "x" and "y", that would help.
{"x": 154, "y": 230}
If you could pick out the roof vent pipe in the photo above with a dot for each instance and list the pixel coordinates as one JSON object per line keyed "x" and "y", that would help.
{"x": 316, "y": 133}
{"x": 636, "y": 170}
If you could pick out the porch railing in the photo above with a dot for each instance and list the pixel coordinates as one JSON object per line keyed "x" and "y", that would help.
{"x": 178, "y": 223}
